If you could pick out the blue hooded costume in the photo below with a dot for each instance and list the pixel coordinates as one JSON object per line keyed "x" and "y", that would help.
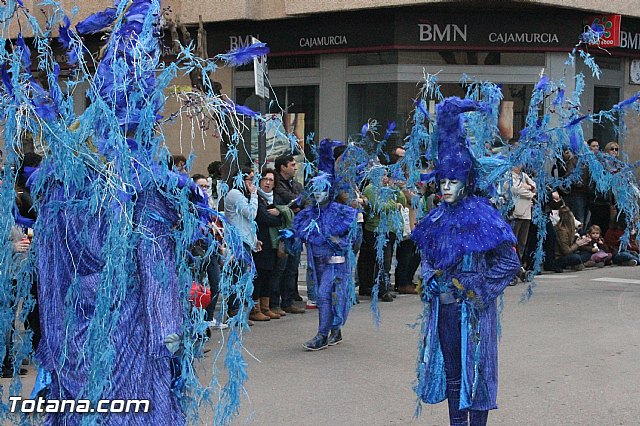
{"x": 328, "y": 229}
{"x": 468, "y": 258}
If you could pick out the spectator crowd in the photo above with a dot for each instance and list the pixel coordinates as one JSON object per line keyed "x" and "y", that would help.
{"x": 584, "y": 228}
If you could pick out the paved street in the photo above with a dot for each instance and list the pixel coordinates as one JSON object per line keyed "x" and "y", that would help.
{"x": 570, "y": 356}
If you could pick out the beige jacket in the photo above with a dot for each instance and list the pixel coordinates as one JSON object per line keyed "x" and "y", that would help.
{"x": 521, "y": 194}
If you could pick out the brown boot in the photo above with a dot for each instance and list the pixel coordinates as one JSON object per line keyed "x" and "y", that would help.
{"x": 264, "y": 307}
{"x": 279, "y": 311}
{"x": 293, "y": 310}
{"x": 256, "y": 315}
{"x": 407, "y": 289}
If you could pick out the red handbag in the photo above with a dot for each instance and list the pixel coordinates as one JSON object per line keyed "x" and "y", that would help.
{"x": 200, "y": 296}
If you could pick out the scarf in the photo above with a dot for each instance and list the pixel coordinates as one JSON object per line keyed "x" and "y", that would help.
{"x": 266, "y": 195}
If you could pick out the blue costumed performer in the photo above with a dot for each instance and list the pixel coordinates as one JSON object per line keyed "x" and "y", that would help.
{"x": 328, "y": 228}
{"x": 468, "y": 258}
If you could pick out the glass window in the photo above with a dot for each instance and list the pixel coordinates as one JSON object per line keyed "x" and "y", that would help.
{"x": 609, "y": 63}
{"x": 386, "y": 102}
{"x": 447, "y": 58}
{"x": 303, "y": 100}
{"x": 603, "y": 99}
{"x": 286, "y": 62}
{"x": 373, "y": 58}
{"x": 383, "y": 102}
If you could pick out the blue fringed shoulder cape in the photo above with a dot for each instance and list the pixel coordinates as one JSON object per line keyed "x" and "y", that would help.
{"x": 449, "y": 232}
{"x": 316, "y": 224}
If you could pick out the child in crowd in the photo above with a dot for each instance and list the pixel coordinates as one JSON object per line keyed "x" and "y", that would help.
{"x": 595, "y": 252}
{"x": 627, "y": 256}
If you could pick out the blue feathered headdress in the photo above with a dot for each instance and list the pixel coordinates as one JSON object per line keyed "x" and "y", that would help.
{"x": 455, "y": 160}
{"x": 326, "y": 160}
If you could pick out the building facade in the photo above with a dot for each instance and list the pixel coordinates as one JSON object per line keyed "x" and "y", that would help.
{"x": 343, "y": 63}
{"x": 341, "y": 69}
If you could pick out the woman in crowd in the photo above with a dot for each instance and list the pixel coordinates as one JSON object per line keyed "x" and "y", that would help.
{"x": 568, "y": 242}
{"x": 523, "y": 190}
{"x": 265, "y": 260}
{"x": 240, "y": 209}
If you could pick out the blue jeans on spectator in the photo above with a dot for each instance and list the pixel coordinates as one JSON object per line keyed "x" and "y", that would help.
{"x": 449, "y": 319}
{"x": 624, "y": 256}
{"x": 569, "y": 260}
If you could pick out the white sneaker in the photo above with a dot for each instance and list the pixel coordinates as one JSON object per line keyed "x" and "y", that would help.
{"x": 217, "y": 325}
{"x": 311, "y": 304}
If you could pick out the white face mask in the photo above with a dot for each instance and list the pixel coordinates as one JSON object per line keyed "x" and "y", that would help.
{"x": 452, "y": 190}
{"x": 320, "y": 197}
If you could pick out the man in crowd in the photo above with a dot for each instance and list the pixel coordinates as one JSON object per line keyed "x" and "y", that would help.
{"x": 289, "y": 190}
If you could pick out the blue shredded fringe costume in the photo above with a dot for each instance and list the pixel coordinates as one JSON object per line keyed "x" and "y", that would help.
{"x": 468, "y": 258}
{"x": 329, "y": 230}
{"x": 151, "y": 310}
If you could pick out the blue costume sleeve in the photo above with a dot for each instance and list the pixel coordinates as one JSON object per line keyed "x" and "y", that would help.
{"x": 502, "y": 265}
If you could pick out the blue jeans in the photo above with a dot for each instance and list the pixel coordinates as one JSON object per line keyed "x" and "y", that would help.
{"x": 624, "y": 256}
{"x": 311, "y": 285}
{"x": 450, "y": 337}
{"x": 569, "y": 260}
{"x": 333, "y": 307}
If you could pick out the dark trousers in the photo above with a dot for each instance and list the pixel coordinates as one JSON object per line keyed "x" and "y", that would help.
{"x": 577, "y": 202}
{"x": 549, "y": 245}
{"x": 368, "y": 265}
{"x": 33, "y": 317}
{"x": 521, "y": 231}
{"x": 449, "y": 322}
{"x": 408, "y": 259}
{"x": 289, "y": 280}
{"x": 601, "y": 216}
{"x": 213, "y": 277}
{"x": 262, "y": 283}
{"x": 276, "y": 282}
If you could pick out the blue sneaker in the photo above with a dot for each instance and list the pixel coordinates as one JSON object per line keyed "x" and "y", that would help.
{"x": 317, "y": 343}
{"x": 335, "y": 337}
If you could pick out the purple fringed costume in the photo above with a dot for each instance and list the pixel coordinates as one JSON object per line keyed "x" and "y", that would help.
{"x": 70, "y": 268}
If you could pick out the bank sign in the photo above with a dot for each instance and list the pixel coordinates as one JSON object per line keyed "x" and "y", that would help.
{"x": 417, "y": 29}
{"x": 489, "y": 31}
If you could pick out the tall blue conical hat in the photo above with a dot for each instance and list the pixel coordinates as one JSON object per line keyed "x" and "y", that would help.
{"x": 326, "y": 160}
{"x": 455, "y": 160}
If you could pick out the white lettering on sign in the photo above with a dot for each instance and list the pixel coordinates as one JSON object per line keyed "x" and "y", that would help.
{"x": 448, "y": 32}
{"x": 629, "y": 40}
{"x": 241, "y": 41}
{"x": 547, "y": 38}
{"x": 336, "y": 40}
